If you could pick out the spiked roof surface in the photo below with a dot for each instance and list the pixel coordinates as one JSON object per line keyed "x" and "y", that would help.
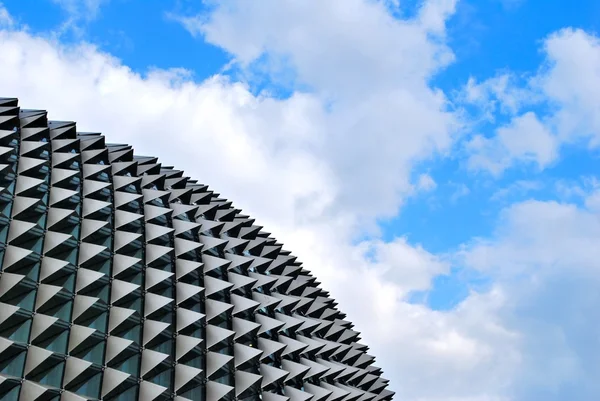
{"x": 122, "y": 279}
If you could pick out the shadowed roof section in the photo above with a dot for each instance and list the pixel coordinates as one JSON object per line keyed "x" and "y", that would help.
{"x": 123, "y": 279}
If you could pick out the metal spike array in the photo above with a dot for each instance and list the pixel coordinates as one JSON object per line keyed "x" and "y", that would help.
{"x": 123, "y": 279}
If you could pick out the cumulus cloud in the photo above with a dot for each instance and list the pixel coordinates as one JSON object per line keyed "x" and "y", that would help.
{"x": 564, "y": 90}
{"x": 524, "y": 139}
{"x": 371, "y": 72}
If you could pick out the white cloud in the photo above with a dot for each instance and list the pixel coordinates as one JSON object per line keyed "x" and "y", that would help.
{"x": 370, "y": 70}
{"x": 426, "y": 183}
{"x": 544, "y": 259}
{"x": 86, "y": 9}
{"x": 460, "y": 190}
{"x": 6, "y": 20}
{"x": 524, "y": 139}
{"x": 517, "y": 188}
{"x": 565, "y": 90}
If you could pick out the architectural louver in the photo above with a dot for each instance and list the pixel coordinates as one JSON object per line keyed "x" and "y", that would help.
{"x": 122, "y": 279}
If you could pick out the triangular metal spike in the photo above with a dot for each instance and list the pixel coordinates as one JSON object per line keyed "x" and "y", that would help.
{"x": 241, "y": 327}
{"x": 184, "y": 374}
{"x": 121, "y": 181}
{"x": 150, "y": 391}
{"x": 268, "y": 396}
{"x": 51, "y": 266}
{"x": 23, "y": 203}
{"x": 91, "y": 186}
{"x": 117, "y": 316}
{"x": 245, "y": 380}
{"x": 240, "y": 281}
{"x": 152, "y": 212}
{"x": 25, "y": 183}
{"x": 268, "y": 323}
{"x": 9, "y": 280}
{"x": 124, "y": 238}
{"x": 89, "y": 227}
{"x": 29, "y": 163}
{"x": 78, "y": 335}
{"x": 319, "y": 392}
{"x": 266, "y": 301}
{"x": 214, "y": 263}
{"x": 211, "y": 242}
{"x": 184, "y": 344}
{"x": 187, "y": 317}
{"x": 154, "y": 302}
{"x": 122, "y": 263}
{"x": 45, "y": 293}
{"x": 263, "y": 280}
{"x": 56, "y": 215}
{"x": 183, "y": 246}
{"x": 313, "y": 345}
{"x": 18, "y": 228}
{"x": 316, "y": 369}
{"x": 297, "y": 370}
{"x": 154, "y": 231}
{"x": 7, "y": 310}
{"x": 31, "y": 391}
{"x": 120, "y": 289}
{"x": 182, "y": 226}
{"x": 215, "y": 285}
{"x": 184, "y": 267}
{"x": 355, "y": 393}
{"x": 244, "y": 354}
{"x": 150, "y": 359}
{"x": 215, "y": 308}
{"x": 291, "y": 323}
{"x": 186, "y": 291}
{"x": 337, "y": 393}
{"x": 271, "y": 374}
{"x": 14, "y": 254}
{"x": 215, "y": 361}
{"x": 86, "y": 277}
{"x": 215, "y": 335}
{"x": 123, "y": 218}
{"x": 114, "y": 346}
{"x": 217, "y": 391}
{"x": 154, "y": 252}
{"x": 243, "y": 304}
{"x": 334, "y": 370}
{"x": 93, "y": 169}
{"x": 293, "y": 346}
{"x": 54, "y": 239}
{"x": 180, "y": 209}
{"x": 156, "y": 276}
{"x": 87, "y": 251}
{"x": 270, "y": 347}
{"x": 35, "y": 356}
{"x": 153, "y": 328}
{"x": 111, "y": 379}
{"x": 123, "y": 198}
{"x": 91, "y": 206}
{"x": 73, "y": 368}
{"x": 40, "y": 324}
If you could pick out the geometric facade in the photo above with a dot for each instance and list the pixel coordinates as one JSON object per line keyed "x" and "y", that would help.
{"x": 122, "y": 279}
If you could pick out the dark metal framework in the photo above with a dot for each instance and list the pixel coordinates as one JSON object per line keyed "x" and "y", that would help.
{"x": 123, "y": 279}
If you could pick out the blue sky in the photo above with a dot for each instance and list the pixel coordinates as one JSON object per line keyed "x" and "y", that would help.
{"x": 455, "y": 143}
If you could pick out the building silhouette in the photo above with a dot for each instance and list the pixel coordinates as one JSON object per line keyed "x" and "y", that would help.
{"x": 122, "y": 279}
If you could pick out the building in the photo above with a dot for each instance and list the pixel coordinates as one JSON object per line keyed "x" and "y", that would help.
{"x": 123, "y": 279}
